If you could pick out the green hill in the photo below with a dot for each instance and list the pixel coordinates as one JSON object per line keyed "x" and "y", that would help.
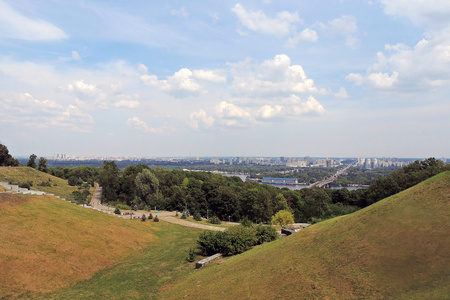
{"x": 59, "y": 186}
{"x": 398, "y": 248}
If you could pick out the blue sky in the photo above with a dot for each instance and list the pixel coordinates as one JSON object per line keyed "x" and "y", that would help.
{"x": 225, "y": 78}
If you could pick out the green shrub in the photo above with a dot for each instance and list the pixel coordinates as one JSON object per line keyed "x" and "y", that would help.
{"x": 197, "y": 217}
{"x": 183, "y": 216}
{"x": 143, "y": 218}
{"x": 123, "y": 206}
{"x": 73, "y": 181}
{"x": 239, "y": 239}
{"x": 265, "y": 234}
{"x": 211, "y": 242}
{"x": 246, "y": 222}
{"x": 45, "y": 183}
{"x": 24, "y": 185}
{"x": 117, "y": 211}
{"x": 150, "y": 216}
{"x": 156, "y": 219}
{"x": 214, "y": 220}
{"x": 191, "y": 255}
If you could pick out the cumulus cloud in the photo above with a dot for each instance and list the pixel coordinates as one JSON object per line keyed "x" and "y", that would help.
{"x": 200, "y": 120}
{"x": 273, "y": 76}
{"x": 344, "y": 26}
{"x": 281, "y": 25}
{"x": 127, "y": 101}
{"x": 14, "y": 25}
{"x": 141, "y": 126}
{"x": 184, "y": 82}
{"x": 34, "y": 113}
{"x": 307, "y": 35}
{"x": 406, "y": 69}
{"x": 419, "y": 11}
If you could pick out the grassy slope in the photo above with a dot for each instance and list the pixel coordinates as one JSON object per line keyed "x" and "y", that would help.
{"x": 47, "y": 243}
{"x": 24, "y": 174}
{"x": 396, "y": 248}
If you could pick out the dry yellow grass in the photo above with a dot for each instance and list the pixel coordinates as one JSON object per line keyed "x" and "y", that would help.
{"x": 397, "y": 248}
{"x": 47, "y": 243}
{"x": 24, "y": 174}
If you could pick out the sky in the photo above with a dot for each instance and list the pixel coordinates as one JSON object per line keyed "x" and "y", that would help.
{"x": 225, "y": 78}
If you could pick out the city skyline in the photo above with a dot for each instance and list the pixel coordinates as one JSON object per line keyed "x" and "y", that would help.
{"x": 244, "y": 78}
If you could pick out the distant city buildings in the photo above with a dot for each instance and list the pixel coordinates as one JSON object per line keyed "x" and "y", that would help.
{"x": 373, "y": 163}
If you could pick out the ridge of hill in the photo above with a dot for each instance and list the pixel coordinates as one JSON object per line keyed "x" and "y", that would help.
{"x": 59, "y": 187}
{"x": 397, "y": 248}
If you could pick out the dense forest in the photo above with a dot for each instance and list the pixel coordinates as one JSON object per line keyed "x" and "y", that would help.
{"x": 229, "y": 198}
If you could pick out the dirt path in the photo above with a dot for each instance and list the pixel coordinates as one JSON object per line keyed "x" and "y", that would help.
{"x": 166, "y": 216}
{"x": 169, "y": 217}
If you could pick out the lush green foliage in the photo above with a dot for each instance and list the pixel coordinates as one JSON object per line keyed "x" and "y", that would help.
{"x": 283, "y": 218}
{"x": 5, "y": 158}
{"x": 235, "y": 239}
{"x": 214, "y": 220}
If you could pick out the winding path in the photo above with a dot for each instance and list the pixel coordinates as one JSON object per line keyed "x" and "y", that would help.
{"x": 166, "y": 216}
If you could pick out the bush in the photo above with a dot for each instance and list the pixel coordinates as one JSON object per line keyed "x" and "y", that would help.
{"x": 265, "y": 234}
{"x": 239, "y": 239}
{"x": 211, "y": 242}
{"x": 197, "y": 217}
{"x": 183, "y": 216}
{"x": 45, "y": 183}
{"x": 246, "y": 222}
{"x": 123, "y": 206}
{"x": 150, "y": 216}
{"x": 156, "y": 219}
{"x": 191, "y": 255}
{"x": 143, "y": 218}
{"x": 73, "y": 181}
{"x": 24, "y": 185}
{"x": 117, "y": 211}
{"x": 214, "y": 220}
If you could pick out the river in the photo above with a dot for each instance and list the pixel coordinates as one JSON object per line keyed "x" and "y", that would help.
{"x": 295, "y": 187}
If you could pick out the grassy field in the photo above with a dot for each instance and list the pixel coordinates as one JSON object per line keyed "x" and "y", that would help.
{"x": 51, "y": 246}
{"x": 59, "y": 187}
{"x": 398, "y": 248}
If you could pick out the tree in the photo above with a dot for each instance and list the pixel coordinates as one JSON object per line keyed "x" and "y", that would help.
{"x": 146, "y": 188}
{"x": 108, "y": 178}
{"x": 283, "y": 218}
{"x": 42, "y": 165}
{"x": 5, "y": 158}
{"x": 32, "y": 161}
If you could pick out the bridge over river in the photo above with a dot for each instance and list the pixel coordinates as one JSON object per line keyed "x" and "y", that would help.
{"x": 326, "y": 182}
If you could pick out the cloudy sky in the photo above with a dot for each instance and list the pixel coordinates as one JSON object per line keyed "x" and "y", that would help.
{"x": 222, "y": 78}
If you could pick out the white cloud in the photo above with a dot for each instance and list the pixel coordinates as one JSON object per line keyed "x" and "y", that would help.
{"x": 307, "y": 35}
{"x": 232, "y": 115}
{"x": 282, "y": 25}
{"x": 344, "y": 26}
{"x": 273, "y": 76}
{"x": 127, "y": 101}
{"x": 76, "y": 55}
{"x": 141, "y": 126}
{"x": 143, "y": 68}
{"x": 34, "y": 113}
{"x": 180, "y": 12}
{"x": 406, "y": 69}
{"x": 419, "y": 11}
{"x": 185, "y": 82}
{"x": 341, "y": 94}
{"x": 14, "y": 25}
{"x": 200, "y": 120}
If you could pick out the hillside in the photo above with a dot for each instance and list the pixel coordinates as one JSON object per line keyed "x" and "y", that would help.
{"x": 398, "y": 248}
{"x": 47, "y": 243}
{"x": 59, "y": 186}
